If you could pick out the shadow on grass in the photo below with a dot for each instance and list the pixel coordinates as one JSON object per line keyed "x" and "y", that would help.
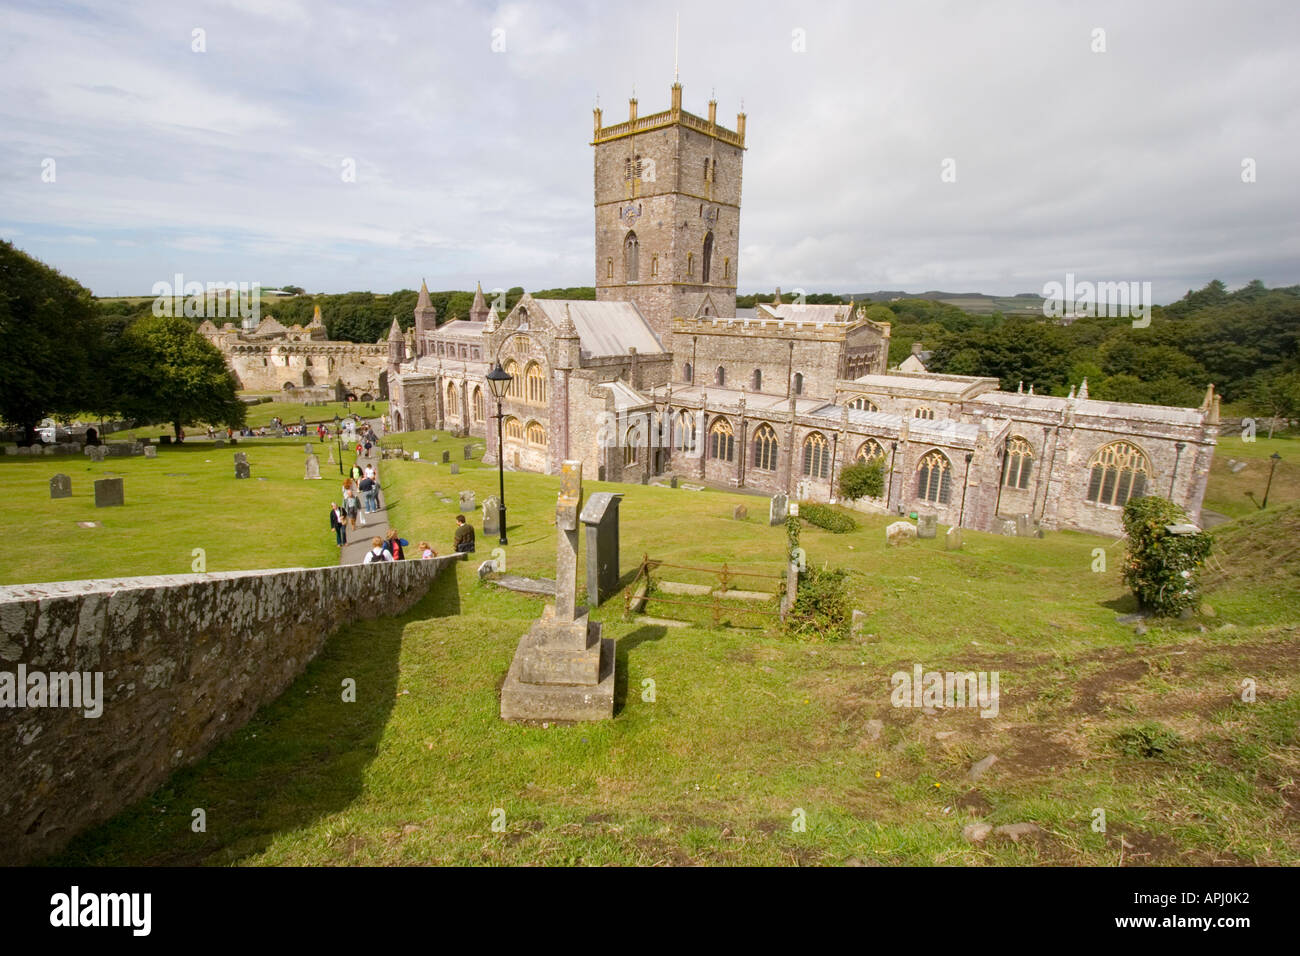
{"x": 625, "y": 644}
{"x": 302, "y": 757}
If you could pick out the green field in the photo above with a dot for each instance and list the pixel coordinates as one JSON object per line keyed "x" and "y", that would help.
{"x": 747, "y": 730}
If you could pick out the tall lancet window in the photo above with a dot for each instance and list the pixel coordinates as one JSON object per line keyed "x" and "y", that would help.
{"x": 708, "y": 257}
{"x": 630, "y": 249}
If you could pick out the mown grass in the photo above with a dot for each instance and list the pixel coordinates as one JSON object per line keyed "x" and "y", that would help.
{"x": 742, "y": 729}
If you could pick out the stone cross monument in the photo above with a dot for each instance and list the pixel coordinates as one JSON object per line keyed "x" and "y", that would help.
{"x": 562, "y": 670}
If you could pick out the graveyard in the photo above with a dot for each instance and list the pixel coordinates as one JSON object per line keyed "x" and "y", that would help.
{"x": 723, "y": 734}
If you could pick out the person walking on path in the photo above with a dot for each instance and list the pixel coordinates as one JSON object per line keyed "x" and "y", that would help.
{"x": 376, "y": 552}
{"x": 338, "y": 521}
{"x": 351, "y": 504}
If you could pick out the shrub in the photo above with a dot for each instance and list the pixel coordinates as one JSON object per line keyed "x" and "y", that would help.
{"x": 1148, "y": 739}
{"x": 863, "y": 480}
{"x": 1160, "y": 567}
{"x": 821, "y": 607}
{"x": 824, "y": 517}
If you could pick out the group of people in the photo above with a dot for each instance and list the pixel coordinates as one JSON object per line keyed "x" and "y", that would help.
{"x": 360, "y": 497}
{"x": 393, "y": 548}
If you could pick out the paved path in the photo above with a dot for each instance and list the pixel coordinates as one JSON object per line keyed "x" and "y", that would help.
{"x": 376, "y": 522}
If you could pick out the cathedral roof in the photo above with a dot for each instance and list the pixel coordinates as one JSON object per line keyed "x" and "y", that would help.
{"x": 604, "y": 328}
{"x": 790, "y": 312}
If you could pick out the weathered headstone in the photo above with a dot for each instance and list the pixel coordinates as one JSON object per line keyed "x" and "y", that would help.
{"x": 109, "y": 492}
{"x": 776, "y": 508}
{"x": 562, "y": 669}
{"x": 241, "y": 465}
{"x": 601, "y": 518}
{"x": 491, "y": 515}
{"x": 467, "y": 501}
{"x": 927, "y": 525}
{"x": 60, "y": 486}
{"x": 952, "y": 540}
{"x": 900, "y": 532}
{"x": 1024, "y": 525}
{"x": 1007, "y": 526}
{"x": 150, "y": 451}
{"x": 469, "y": 452}
{"x": 740, "y": 513}
{"x": 672, "y": 482}
{"x": 97, "y": 452}
{"x": 313, "y": 468}
{"x": 455, "y": 468}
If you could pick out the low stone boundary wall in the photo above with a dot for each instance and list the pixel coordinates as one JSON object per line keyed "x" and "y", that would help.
{"x": 185, "y": 660}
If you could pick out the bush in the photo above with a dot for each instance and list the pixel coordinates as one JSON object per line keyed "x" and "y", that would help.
{"x": 1160, "y": 567}
{"x": 821, "y": 607}
{"x": 1148, "y": 739}
{"x": 863, "y": 480}
{"x": 824, "y": 517}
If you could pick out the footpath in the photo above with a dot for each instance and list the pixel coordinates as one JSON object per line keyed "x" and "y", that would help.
{"x": 358, "y": 542}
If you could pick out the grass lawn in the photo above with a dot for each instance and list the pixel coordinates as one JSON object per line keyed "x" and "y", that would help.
{"x": 746, "y": 730}
{"x": 1226, "y": 491}
{"x": 186, "y": 498}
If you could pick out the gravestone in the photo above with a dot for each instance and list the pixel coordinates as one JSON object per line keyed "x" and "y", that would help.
{"x": 672, "y": 482}
{"x": 150, "y": 451}
{"x": 952, "y": 540}
{"x": 60, "y": 486}
{"x": 467, "y": 501}
{"x": 491, "y": 515}
{"x": 1024, "y": 526}
{"x": 307, "y": 447}
{"x": 455, "y": 468}
{"x": 220, "y": 442}
{"x": 241, "y": 465}
{"x": 562, "y": 668}
{"x": 900, "y": 532}
{"x": 109, "y": 492}
{"x": 469, "y": 452}
{"x": 740, "y": 513}
{"x": 776, "y": 509}
{"x": 927, "y": 525}
{"x": 312, "y": 469}
{"x": 446, "y": 457}
{"x": 601, "y": 518}
{"x": 97, "y": 452}
{"x": 645, "y": 479}
{"x": 1007, "y": 526}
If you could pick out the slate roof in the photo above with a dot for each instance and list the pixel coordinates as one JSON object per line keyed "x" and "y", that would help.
{"x": 604, "y": 328}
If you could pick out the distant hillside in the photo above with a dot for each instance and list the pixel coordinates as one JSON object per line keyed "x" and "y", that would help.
{"x": 976, "y": 303}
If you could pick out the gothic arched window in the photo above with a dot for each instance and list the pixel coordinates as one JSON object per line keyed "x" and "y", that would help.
{"x": 685, "y": 438}
{"x": 514, "y": 429}
{"x": 516, "y": 387}
{"x": 863, "y": 404}
{"x": 722, "y": 441}
{"x": 536, "y": 384}
{"x": 758, "y": 379}
{"x": 708, "y": 257}
{"x": 721, "y": 376}
{"x": 1017, "y": 464}
{"x": 536, "y": 435}
{"x": 816, "y": 456}
{"x": 934, "y": 478}
{"x": 870, "y": 451}
{"x": 1117, "y": 472}
{"x": 478, "y": 404}
{"x": 798, "y": 383}
{"x": 765, "y": 448}
{"x": 687, "y": 372}
{"x": 630, "y": 249}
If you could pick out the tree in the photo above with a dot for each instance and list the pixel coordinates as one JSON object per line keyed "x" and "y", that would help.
{"x": 165, "y": 371}
{"x": 1275, "y": 394}
{"x": 1160, "y": 565}
{"x": 863, "y": 479}
{"x": 50, "y": 337}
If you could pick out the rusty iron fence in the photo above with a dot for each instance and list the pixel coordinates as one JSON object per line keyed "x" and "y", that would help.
{"x": 639, "y": 594}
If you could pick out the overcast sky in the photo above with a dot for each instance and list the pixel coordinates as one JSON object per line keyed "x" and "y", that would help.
{"x": 474, "y": 165}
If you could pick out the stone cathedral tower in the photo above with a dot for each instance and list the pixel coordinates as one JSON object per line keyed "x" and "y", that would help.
{"x": 667, "y": 191}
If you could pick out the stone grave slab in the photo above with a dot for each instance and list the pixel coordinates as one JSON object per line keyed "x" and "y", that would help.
{"x": 109, "y": 492}
{"x": 60, "y": 486}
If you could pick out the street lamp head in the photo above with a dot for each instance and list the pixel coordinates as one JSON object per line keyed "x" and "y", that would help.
{"x": 498, "y": 381}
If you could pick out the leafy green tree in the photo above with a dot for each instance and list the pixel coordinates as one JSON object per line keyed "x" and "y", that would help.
{"x": 863, "y": 479}
{"x": 1275, "y": 395}
{"x": 1160, "y": 567}
{"x": 50, "y": 343}
{"x": 163, "y": 370}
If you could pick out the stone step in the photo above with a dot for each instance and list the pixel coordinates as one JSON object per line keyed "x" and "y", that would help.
{"x": 735, "y": 595}
{"x": 680, "y": 587}
{"x": 662, "y": 621}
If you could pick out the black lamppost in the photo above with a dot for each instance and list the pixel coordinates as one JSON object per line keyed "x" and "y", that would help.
{"x": 1274, "y": 459}
{"x": 961, "y": 517}
{"x": 498, "y": 381}
{"x": 338, "y": 438}
{"x": 889, "y": 492}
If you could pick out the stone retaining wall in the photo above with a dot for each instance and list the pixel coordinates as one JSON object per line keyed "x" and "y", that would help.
{"x": 186, "y": 661}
